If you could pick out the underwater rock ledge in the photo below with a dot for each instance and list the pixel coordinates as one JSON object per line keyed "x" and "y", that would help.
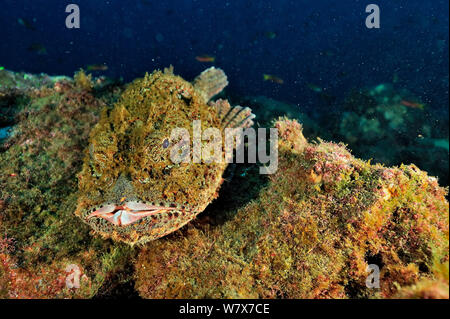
{"x": 309, "y": 231}
{"x": 41, "y": 241}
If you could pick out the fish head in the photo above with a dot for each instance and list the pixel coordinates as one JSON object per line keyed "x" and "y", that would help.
{"x": 129, "y": 212}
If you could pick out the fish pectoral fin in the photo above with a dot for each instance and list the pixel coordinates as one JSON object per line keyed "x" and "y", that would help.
{"x": 233, "y": 117}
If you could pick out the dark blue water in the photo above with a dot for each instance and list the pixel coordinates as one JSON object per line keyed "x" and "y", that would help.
{"x": 319, "y": 44}
{"x": 324, "y": 43}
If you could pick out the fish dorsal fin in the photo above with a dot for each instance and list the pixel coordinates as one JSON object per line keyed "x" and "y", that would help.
{"x": 169, "y": 70}
{"x": 233, "y": 117}
{"x": 210, "y": 82}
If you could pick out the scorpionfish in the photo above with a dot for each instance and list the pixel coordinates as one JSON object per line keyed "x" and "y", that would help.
{"x": 129, "y": 188}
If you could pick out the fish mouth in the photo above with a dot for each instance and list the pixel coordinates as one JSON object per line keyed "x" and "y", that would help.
{"x": 127, "y": 213}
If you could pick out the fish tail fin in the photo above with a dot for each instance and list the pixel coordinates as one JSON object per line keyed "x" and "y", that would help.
{"x": 266, "y": 77}
{"x": 210, "y": 82}
{"x": 233, "y": 117}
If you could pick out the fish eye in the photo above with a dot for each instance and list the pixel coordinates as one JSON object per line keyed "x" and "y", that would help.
{"x": 165, "y": 143}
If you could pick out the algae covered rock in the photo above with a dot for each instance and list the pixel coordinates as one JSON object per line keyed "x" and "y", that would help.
{"x": 42, "y": 242}
{"x": 312, "y": 232}
{"x": 15, "y": 89}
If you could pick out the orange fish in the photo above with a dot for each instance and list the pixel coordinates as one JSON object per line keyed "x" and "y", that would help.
{"x": 414, "y": 105}
{"x": 205, "y": 58}
{"x": 97, "y": 67}
{"x": 272, "y": 78}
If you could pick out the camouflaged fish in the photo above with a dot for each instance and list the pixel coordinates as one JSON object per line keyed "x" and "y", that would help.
{"x": 129, "y": 188}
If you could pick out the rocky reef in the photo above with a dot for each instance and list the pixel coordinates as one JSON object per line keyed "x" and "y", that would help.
{"x": 40, "y": 236}
{"x": 308, "y": 231}
{"x": 311, "y": 233}
{"x": 369, "y": 120}
{"x": 387, "y": 114}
